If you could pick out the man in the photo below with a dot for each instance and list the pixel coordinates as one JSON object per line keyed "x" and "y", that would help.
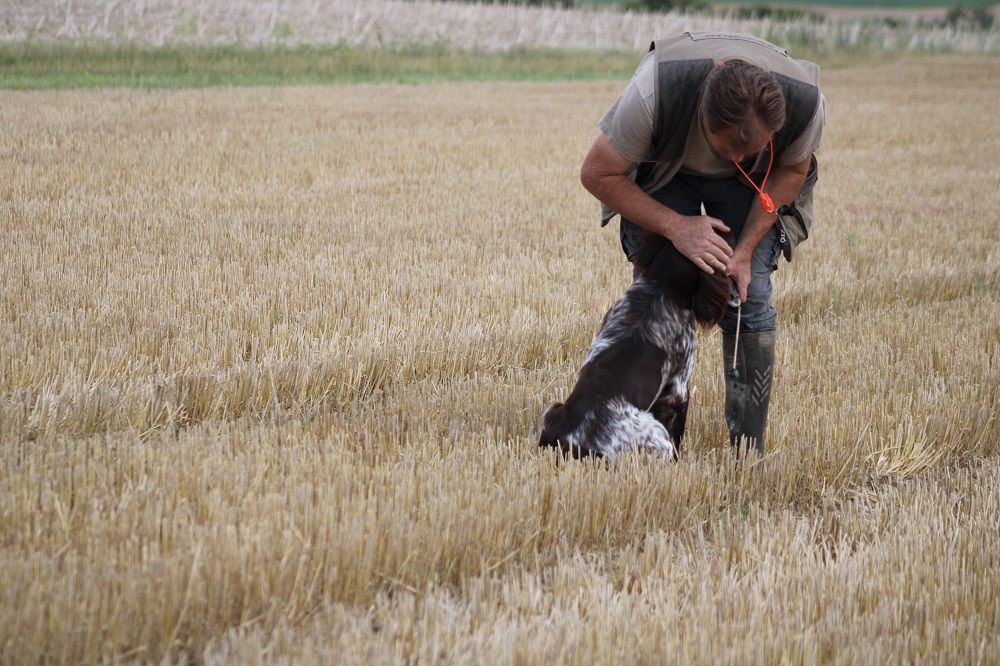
{"x": 730, "y": 123}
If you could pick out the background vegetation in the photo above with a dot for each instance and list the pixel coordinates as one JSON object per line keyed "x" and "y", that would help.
{"x": 708, "y": 5}
{"x": 91, "y": 43}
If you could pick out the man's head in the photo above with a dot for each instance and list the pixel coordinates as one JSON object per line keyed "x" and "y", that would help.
{"x": 741, "y": 108}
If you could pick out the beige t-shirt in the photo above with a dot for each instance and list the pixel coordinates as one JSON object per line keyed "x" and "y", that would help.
{"x": 628, "y": 124}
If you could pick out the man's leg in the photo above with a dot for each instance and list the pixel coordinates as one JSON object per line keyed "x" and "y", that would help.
{"x": 748, "y": 380}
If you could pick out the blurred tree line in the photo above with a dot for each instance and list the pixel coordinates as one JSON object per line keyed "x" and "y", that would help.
{"x": 961, "y": 14}
{"x": 648, "y": 5}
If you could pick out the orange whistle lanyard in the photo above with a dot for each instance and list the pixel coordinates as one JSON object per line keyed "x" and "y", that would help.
{"x": 766, "y": 202}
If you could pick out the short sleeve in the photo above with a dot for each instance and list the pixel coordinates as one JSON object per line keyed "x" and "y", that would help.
{"x": 810, "y": 139}
{"x": 628, "y": 124}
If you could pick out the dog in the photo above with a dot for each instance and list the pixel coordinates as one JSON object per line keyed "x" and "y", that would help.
{"x": 632, "y": 392}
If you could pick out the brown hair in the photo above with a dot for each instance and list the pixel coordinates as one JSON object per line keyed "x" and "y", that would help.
{"x": 736, "y": 93}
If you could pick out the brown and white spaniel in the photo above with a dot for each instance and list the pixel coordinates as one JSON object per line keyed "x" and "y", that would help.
{"x": 632, "y": 391}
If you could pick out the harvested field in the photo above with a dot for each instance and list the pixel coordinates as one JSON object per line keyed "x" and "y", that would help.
{"x": 272, "y": 361}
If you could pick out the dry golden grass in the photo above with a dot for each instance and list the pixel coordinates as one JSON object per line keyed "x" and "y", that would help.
{"x": 272, "y": 362}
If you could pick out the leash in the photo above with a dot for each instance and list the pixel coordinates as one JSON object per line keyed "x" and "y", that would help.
{"x": 734, "y": 302}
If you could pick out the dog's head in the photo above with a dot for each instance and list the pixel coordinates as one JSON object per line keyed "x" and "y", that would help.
{"x": 707, "y": 295}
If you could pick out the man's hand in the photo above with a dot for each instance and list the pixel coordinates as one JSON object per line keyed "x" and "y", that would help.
{"x": 696, "y": 239}
{"x": 738, "y": 269}
{"x": 604, "y": 175}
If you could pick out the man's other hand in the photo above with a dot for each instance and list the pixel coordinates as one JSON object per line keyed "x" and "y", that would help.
{"x": 604, "y": 174}
{"x": 697, "y": 240}
{"x": 738, "y": 268}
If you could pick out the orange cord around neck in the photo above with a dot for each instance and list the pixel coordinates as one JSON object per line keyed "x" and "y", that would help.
{"x": 766, "y": 202}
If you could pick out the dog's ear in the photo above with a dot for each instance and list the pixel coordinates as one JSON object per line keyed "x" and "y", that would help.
{"x": 711, "y": 298}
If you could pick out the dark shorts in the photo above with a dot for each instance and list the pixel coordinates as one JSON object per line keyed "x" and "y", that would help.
{"x": 729, "y": 200}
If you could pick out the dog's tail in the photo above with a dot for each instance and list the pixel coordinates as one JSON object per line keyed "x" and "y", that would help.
{"x": 557, "y": 424}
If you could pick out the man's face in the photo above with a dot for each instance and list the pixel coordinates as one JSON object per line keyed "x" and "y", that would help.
{"x": 726, "y": 143}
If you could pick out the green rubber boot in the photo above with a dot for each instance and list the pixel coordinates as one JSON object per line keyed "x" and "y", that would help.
{"x": 748, "y": 388}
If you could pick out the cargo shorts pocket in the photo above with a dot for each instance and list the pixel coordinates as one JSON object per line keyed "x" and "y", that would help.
{"x": 796, "y": 220}
{"x": 765, "y": 256}
{"x": 776, "y": 247}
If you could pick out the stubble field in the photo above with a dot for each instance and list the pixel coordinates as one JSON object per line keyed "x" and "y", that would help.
{"x": 272, "y": 362}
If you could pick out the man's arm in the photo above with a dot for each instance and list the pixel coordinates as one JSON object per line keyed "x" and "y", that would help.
{"x": 603, "y": 174}
{"x": 783, "y": 186}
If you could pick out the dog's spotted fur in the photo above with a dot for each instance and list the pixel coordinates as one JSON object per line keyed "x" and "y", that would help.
{"x": 632, "y": 389}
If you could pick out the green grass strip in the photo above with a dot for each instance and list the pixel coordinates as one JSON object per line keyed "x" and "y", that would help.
{"x": 40, "y": 65}
{"x": 44, "y": 66}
